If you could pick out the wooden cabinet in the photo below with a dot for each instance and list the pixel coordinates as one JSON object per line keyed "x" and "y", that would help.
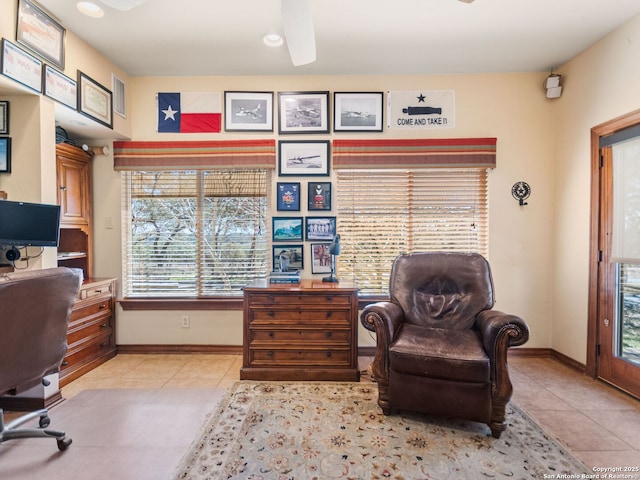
{"x": 91, "y": 332}
{"x": 73, "y": 172}
{"x": 305, "y": 331}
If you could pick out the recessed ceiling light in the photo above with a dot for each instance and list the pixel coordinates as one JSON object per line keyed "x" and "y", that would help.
{"x": 272, "y": 40}
{"x": 90, "y": 9}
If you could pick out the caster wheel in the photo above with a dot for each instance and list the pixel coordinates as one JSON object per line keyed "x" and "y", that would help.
{"x": 63, "y": 444}
{"x": 44, "y": 421}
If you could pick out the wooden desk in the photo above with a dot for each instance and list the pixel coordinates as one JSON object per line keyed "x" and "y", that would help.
{"x": 305, "y": 331}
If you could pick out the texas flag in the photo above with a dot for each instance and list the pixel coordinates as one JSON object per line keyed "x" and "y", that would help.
{"x": 189, "y": 112}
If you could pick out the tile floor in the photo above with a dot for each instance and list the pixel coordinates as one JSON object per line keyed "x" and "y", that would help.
{"x": 153, "y": 406}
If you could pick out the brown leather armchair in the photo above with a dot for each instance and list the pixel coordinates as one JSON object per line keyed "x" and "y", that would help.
{"x": 441, "y": 349}
{"x": 35, "y": 313}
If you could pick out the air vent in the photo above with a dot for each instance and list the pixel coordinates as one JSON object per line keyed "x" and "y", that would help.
{"x": 119, "y": 105}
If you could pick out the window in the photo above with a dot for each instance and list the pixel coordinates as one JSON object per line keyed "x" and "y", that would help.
{"x": 383, "y": 213}
{"x": 193, "y": 233}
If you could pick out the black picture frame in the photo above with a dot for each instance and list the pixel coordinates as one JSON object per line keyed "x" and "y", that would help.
{"x": 5, "y": 155}
{"x": 303, "y": 112}
{"x": 287, "y": 229}
{"x": 95, "y": 100}
{"x": 295, "y": 253}
{"x": 320, "y": 228}
{"x": 320, "y": 258}
{"x": 358, "y": 111}
{"x": 303, "y": 158}
{"x": 40, "y": 33}
{"x": 4, "y": 117}
{"x": 319, "y": 196}
{"x": 288, "y": 194}
{"x": 248, "y": 111}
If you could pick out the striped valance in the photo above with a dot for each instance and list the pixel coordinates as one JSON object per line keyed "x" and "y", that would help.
{"x": 455, "y": 152}
{"x": 194, "y": 155}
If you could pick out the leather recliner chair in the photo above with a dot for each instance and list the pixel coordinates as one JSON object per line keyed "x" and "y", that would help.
{"x": 441, "y": 349}
{"x": 36, "y": 306}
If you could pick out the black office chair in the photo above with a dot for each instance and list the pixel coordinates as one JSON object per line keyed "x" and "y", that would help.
{"x": 35, "y": 306}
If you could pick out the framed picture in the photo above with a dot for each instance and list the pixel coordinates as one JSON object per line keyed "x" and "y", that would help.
{"x": 94, "y": 100}
{"x": 357, "y": 111}
{"x": 288, "y": 196}
{"x": 319, "y": 196}
{"x": 40, "y": 33}
{"x": 4, "y": 117}
{"x": 60, "y": 87}
{"x": 5, "y": 155}
{"x": 303, "y": 112}
{"x": 21, "y": 66}
{"x": 303, "y": 158}
{"x": 287, "y": 229}
{"x": 320, "y": 228}
{"x": 320, "y": 258}
{"x": 292, "y": 253}
{"x": 248, "y": 111}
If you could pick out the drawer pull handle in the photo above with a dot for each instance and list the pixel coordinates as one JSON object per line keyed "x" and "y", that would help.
{"x": 271, "y": 313}
{"x": 328, "y": 334}
{"x": 271, "y": 334}
{"x": 104, "y": 325}
{"x": 102, "y": 306}
{"x": 328, "y": 354}
{"x": 270, "y": 353}
{"x": 98, "y": 291}
{"x": 65, "y": 363}
{"x": 329, "y": 313}
{"x": 329, "y": 299}
{"x": 104, "y": 344}
{"x": 271, "y": 298}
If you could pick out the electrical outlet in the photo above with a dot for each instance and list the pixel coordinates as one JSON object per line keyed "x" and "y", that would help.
{"x": 185, "y": 321}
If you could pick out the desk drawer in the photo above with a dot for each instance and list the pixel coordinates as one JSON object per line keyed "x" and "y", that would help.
{"x": 90, "y": 328}
{"x": 309, "y": 316}
{"x": 88, "y": 350}
{"x": 79, "y": 313}
{"x": 301, "y": 335}
{"x": 300, "y": 357}
{"x": 279, "y": 299}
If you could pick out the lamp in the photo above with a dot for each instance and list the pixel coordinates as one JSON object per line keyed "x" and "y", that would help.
{"x": 334, "y": 251}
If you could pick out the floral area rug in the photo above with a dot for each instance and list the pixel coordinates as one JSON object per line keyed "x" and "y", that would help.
{"x": 320, "y": 430}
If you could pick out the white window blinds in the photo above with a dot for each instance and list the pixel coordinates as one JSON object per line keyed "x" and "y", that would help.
{"x": 382, "y": 213}
{"x": 193, "y": 233}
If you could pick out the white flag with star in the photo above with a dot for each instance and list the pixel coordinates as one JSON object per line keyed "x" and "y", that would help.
{"x": 422, "y": 109}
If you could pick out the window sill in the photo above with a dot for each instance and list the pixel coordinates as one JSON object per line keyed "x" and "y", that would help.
{"x": 221, "y": 303}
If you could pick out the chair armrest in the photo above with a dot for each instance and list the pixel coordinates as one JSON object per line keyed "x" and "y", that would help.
{"x": 383, "y": 318}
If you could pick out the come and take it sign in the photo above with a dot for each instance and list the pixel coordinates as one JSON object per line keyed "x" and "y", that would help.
{"x": 426, "y": 109}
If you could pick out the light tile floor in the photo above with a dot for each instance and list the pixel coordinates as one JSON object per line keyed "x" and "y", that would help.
{"x": 141, "y": 426}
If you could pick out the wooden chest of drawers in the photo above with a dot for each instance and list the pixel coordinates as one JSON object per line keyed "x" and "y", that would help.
{"x": 305, "y": 331}
{"x": 91, "y": 332}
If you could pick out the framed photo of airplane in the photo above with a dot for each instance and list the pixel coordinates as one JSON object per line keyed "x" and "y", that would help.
{"x": 248, "y": 111}
{"x": 303, "y": 112}
{"x": 303, "y": 158}
{"x": 357, "y": 111}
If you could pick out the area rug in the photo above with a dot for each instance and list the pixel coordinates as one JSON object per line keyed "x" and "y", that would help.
{"x": 319, "y": 430}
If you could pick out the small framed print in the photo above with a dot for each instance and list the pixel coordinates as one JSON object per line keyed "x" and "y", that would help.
{"x": 303, "y": 158}
{"x": 303, "y": 112}
{"x": 21, "y": 66}
{"x": 4, "y": 117}
{"x": 60, "y": 87}
{"x": 320, "y": 258}
{"x": 320, "y": 228}
{"x": 248, "y": 111}
{"x": 293, "y": 257}
{"x": 40, "y": 33}
{"x": 5, "y": 155}
{"x": 357, "y": 111}
{"x": 94, "y": 100}
{"x": 319, "y": 196}
{"x": 288, "y": 196}
{"x": 287, "y": 229}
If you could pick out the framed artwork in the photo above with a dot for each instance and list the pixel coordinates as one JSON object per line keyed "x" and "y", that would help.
{"x": 60, "y": 87}
{"x": 21, "y": 66}
{"x": 40, "y": 33}
{"x": 357, "y": 111}
{"x": 287, "y": 229}
{"x": 248, "y": 111}
{"x": 4, "y": 117}
{"x": 292, "y": 253}
{"x": 5, "y": 155}
{"x": 320, "y": 258}
{"x": 303, "y": 112}
{"x": 94, "y": 100}
{"x": 320, "y": 228}
{"x": 319, "y": 196}
{"x": 288, "y": 196}
{"x": 303, "y": 158}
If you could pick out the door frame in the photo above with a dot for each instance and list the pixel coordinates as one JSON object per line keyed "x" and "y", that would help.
{"x": 593, "y": 310}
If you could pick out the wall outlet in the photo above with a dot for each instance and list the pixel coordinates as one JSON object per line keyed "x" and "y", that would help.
{"x": 185, "y": 321}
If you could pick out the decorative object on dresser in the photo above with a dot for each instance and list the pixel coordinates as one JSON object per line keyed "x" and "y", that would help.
{"x": 305, "y": 331}
{"x": 334, "y": 251}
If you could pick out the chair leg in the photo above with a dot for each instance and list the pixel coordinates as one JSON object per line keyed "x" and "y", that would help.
{"x": 11, "y": 432}
{"x": 497, "y": 424}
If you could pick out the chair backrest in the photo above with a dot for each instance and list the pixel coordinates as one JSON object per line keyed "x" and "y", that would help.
{"x": 441, "y": 289}
{"x": 34, "y": 313}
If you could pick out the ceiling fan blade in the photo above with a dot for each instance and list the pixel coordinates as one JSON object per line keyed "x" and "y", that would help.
{"x": 123, "y": 5}
{"x": 467, "y": 1}
{"x": 297, "y": 23}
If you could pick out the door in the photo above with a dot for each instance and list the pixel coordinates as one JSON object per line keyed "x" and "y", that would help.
{"x": 618, "y": 318}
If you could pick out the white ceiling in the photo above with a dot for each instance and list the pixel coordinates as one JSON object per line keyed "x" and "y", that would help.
{"x": 216, "y": 37}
